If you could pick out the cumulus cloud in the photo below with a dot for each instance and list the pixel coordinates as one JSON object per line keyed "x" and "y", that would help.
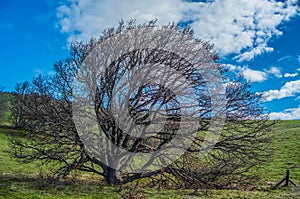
{"x": 275, "y": 71}
{"x": 243, "y": 26}
{"x": 84, "y": 19}
{"x": 239, "y": 27}
{"x": 254, "y": 75}
{"x": 290, "y": 74}
{"x": 288, "y": 114}
{"x": 287, "y": 90}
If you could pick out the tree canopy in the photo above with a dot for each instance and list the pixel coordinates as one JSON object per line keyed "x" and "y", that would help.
{"x": 142, "y": 101}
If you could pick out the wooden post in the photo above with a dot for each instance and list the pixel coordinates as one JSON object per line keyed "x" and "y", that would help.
{"x": 286, "y": 179}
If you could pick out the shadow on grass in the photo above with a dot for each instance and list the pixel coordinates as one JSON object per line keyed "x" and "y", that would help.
{"x": 11, "y": 131}
{"x": 44, "y": 183}
{"x": 12, "y": 178}
{"x": 22, "y": 186}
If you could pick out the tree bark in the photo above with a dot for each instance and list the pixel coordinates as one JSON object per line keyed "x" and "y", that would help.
{"x": 112, "y": 176}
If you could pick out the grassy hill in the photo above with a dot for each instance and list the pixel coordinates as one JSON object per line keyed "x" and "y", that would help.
{"x": 30, "y": 181}
{"x": 5, "y": 106}
{"x": 286, "y": 142}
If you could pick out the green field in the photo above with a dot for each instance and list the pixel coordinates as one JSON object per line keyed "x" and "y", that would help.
{"x": 30, "y": 181}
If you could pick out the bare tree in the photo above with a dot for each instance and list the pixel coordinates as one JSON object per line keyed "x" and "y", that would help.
{"x": 243, "y": 144}
{"x": 19, "y": 104}
{"x": 95, "y": 127}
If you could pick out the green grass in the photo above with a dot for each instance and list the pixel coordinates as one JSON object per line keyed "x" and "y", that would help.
{"x": 9, "y": 165}
{"x": 25, "y": 181}
{"x": 286, "y": 143}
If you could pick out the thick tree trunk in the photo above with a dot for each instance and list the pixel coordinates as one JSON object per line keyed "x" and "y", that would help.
{"x": 112, "y": 176}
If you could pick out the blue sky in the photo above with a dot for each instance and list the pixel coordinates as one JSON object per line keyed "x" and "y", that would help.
{"x": 258, "y": 38}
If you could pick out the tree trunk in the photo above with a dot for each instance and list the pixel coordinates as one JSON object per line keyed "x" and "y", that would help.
{"x": 112, "y": 176}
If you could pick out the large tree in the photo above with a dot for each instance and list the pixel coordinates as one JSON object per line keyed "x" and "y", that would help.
{"x": 140, "y": 101}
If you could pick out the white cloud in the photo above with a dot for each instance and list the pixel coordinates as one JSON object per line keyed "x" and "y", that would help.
{"x": 231, "y": 67}
{"x": 255, "y": 51}
{"x": 285, "y": 58}
{"x": 84, "y": 19}
{"x": 275, "y": 71}
{"x": 290, "y": 74}
{"x": 299, "y": 59}
{"x": 254, "y": 75}
{"x": 240, "y": 27}
{"x": 289, "y": 89}
{"x": 288, "y": 114}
